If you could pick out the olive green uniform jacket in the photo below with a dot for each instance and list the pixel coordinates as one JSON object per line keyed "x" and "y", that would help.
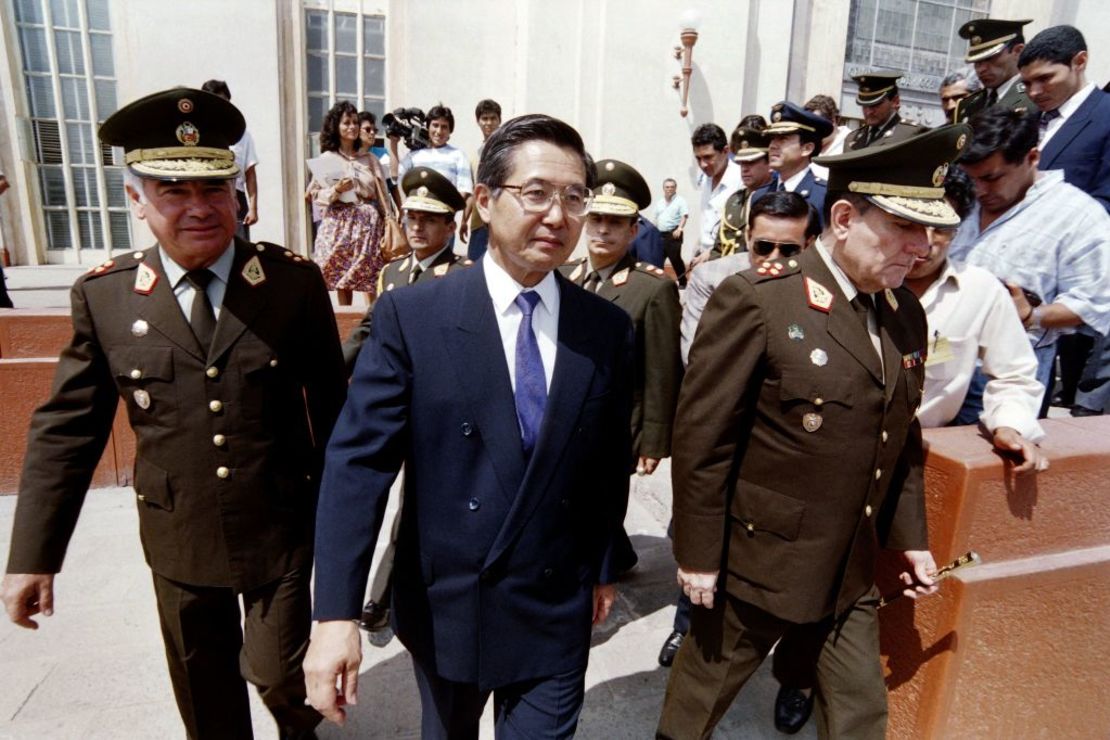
{"x": 895, "y": 129}
{"x": 796, "y": 458}
{"x": 230, "y": 443}
{"x": 1014, "y": 99}
{"x": 651, "y": 299}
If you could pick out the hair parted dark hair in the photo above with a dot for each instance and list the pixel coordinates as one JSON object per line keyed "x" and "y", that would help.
{"x": 487, "y": 106}
{"x": 959, "y": 189}
{"x": 439, "y": 110}
{"x": 329, "y": 132}
{"x": 497, "y": 153}
{"x": 1055, "y": 45}
{"x": 753, "y": 121}
{"x": 365, "y": 116}
{"x": 786, "y": 205}
{"x": 824, "y": 106}
{"x": 1014, "y": 133}
{"x": 217, "y": 87}
{"x": 709, "y": 133}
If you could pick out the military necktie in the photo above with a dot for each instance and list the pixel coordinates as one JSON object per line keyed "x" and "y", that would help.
{"x": 992, "y": 97}
{"x": 593, "y": 281}
{"x": 531, "y": 382}
{"x": 416, "y": 270}
{"x": 862, "y": 304}
{"x": 202, "y": 318}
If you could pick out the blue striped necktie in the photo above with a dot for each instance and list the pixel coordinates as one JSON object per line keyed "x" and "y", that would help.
{"x": 531, "y": 383}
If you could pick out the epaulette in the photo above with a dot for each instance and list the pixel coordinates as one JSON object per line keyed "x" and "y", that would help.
{"x": 280, "y": 253}
{"x": 578, "y": 271}
{"x": 650, "y": 269}
{"x": 128, "y": 261}
{"x": 772, "y": 270}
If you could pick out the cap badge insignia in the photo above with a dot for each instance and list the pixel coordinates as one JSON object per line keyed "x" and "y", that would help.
{"x": 975, "y": 39}
{"x": 795, "y": 332}
{"x": 865, "y": 89}
{"x": 441, "y": 270}
{"x": 818, "y": 295}
{"x": 145, "y": 280}
{"x": 777, "y": 116}
{"x": 142, "y": 399}
{"x": 811, "y": 422}
{"x": 422, "y": 192}
{"x": 576, "y": 273}
{"x": 961, "y": 141}
{"x": 139, "y": 328}
{"x": 743, "y": 143}
{"x": 890, "y": 299}
{"x": 608, "y": 189}
{"x": 819, "y": 357}
{"x": 188, "y": 134}
{"x": 939, "y": 173}
{"x": 253, "y": 273}
{"x": 621, "y": 277}
{"x": 185, "y": 105}
{"x": 609, "y": 166}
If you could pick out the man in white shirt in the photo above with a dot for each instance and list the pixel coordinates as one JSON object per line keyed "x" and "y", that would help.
{"x": 720, "y": 178}
{"x": 246, "y": 183}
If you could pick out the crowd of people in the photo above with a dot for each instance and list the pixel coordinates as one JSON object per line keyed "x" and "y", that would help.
{"x": 845, "y": 289}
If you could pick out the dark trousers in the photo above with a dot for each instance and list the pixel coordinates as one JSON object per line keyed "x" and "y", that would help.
{"x": 672, "y": 250}
{"x": 210, "y": 655}
{"x": 241, "y": 229}
{"x": 539, "y": 708}
{"x": 728, "y": 643}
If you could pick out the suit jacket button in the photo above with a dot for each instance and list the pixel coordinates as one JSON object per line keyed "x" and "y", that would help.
{"x": 884, "y": 436}
{"x": 222, "y": 472}
{"x": 566, "y": 503}
{"x": 467, "y": 429}
{"x": 141, "y": 497}
{"x": 484, "y": 576}
{"x": 878, "y": 473}
{"x": 548, "y": 572}
{"x": 136, "y": 374}
{"x": 867, "y": 510}
{"x": 473, "y": 504}
{"x": 219, "y": 440}
{"x": 215, "y": 406}
{"x": 212, "y": 372}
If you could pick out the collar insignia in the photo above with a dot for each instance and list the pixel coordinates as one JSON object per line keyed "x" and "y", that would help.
{"x": 621, "y": 277}
{"x": 818, "y": 296}
{"x": 252, "y": 272}
{"x": 577, "y": 273}
{"x": 145, "y": 279}
{"x": 440, "y": 270}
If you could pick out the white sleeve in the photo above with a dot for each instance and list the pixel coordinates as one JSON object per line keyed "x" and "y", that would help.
{"x": 1012, "y": 397}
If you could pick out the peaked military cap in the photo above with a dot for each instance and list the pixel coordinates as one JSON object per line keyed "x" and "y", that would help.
{"x": 989, "y": 36}
{"x": 427, "y": 190}
{"x": 789, "y": 118}
{"x": 874, "y": 87}
{"x": 177, "y": 134}
{"x": 753, "y": 144}
{"x": 905, "y": 178}
{"x": 620, "y": 189}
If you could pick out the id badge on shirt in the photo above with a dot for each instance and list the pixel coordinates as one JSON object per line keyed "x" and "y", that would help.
{"x": 940, "y": 352}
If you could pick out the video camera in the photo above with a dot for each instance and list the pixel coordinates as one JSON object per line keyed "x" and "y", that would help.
{"x": 408, "y": 124}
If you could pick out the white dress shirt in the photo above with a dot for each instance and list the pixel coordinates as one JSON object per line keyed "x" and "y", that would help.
{"x": 713, "y": 203}
{"x": 791, "y": 184}
{"x": 1066, "y": 109}
{"x": 183, "y": 290}
{"x": 545, "y": 318}
{"x": 972, "y": 317}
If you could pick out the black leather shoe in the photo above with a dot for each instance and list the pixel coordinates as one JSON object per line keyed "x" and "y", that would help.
{"x": 792, "y": 709}
{"x": 375, "y": 616}
{"x": 670, "y": 649}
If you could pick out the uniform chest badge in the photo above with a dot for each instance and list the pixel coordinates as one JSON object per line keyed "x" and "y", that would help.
{"x": 795, "y": 333}
{"x": 440, "y": 270}
{"x": 621, "y": 277}
{"x": 891, "y": 300}
{"x": 145, "y": 279}
{"x": 811, "y": 422}
{"x": 253, "y": 273}
{"x": 139, "y": 328}
{"x": 818, "y": 296}
{"x": 576, "y": 273}
{"x": 142, "y": 399}
{"x": 819, "y": 357}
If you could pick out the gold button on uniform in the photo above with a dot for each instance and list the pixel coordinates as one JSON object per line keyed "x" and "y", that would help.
{"x": 867, "y": 510}
{"x": 222, "y": 472}
{"x": 215, "y": 406}
{"x": 274, "y": 362}
{"x": 878, "y": 473}
{"x": 219, "y": 440}
{"x": 136, "y": 374}
{"x": 141, "y": 497}
{"x": 750, "y": 526}
{"x": 212, "y": 372}
{"x": 884, "y": 436}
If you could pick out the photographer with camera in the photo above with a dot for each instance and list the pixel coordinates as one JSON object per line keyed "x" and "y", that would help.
{"x": 428, "y": 147}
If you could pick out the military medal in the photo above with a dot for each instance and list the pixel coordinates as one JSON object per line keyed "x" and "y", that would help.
{"x": 145, "y": 279}
{"x": 811, "y": 422}
{"x": 819, "y": 357}
{"x": 142, "y": 399}
{"x": 913, "y": 359}
{"x": 818, "y": 296}
{"x": 140, "y": 328}
{"x": 253, "y": 273}
{"x": 795, "y": 332}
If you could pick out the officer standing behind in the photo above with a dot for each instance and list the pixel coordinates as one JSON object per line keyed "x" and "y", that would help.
{"x": 430, "y": 204}
{"x": 809, "y": 364}
{"x": 226, "y": 355}
{"x": 750, "y": 151}
{"x": 879, "y": 97}
{"x": 994, "y": 47}
{"x": 795, "y": 137}
{"x": 649, "y": 297}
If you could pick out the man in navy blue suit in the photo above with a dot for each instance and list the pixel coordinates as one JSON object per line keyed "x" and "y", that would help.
{"x": 1075, "y": 115}
{"x": 795, "y": 139}
{"x": 506, "y": 393}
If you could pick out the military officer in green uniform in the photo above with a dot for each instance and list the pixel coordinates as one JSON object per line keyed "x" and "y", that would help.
{"x": 430, "y": 205}
{"x": 750, "y": 151}
{"x": 226, "y": 358}
{"x": 799, "y": 453}
{"x": 649, "y": 297}
{"x": 993, "y": 48}
{"x": 879, "y": 97}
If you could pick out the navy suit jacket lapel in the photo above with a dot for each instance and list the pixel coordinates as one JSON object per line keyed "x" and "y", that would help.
{"x": 475, "y": 343}
{"x": 574, "y": 368}
{"x": 1072, "y": 127}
